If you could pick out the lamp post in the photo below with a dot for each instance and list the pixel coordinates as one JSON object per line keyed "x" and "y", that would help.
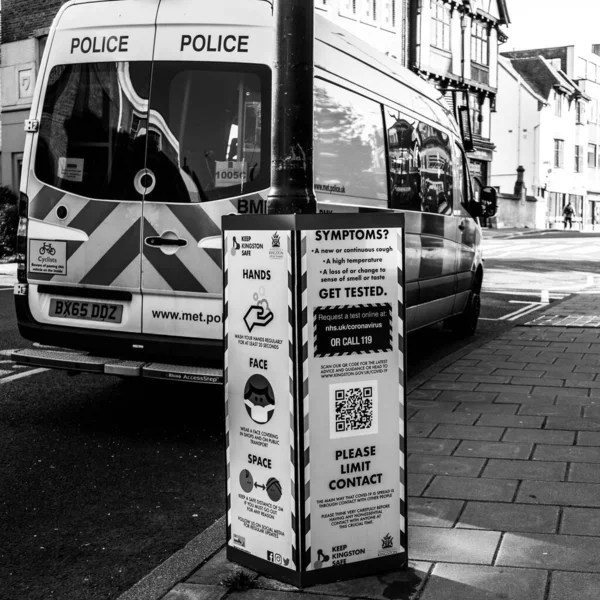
{"x": 292, "y": 110}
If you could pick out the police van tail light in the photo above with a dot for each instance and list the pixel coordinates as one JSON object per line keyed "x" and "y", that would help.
{"x": 22, "y": 239}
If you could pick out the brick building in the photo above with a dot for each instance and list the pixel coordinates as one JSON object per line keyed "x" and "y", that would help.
{"x": 25, "y": 26}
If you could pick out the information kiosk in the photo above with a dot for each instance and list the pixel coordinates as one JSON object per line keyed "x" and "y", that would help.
{"x": 315, "y": 394}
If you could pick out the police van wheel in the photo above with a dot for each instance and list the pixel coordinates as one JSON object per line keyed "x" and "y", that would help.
{"x": 465, "y": 324}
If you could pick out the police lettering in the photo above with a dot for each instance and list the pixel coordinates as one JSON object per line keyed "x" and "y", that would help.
{"x": 215, "y": 43}
{"x": 98, "y": 45}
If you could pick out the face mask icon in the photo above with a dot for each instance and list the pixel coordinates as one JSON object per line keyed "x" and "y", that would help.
{"x": 260, "y": 414}
{"x": 259, "y": 399}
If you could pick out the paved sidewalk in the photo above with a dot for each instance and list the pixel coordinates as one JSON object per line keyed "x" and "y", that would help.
{"x": 504, "y": 480}
{"x": 8, "y": 274}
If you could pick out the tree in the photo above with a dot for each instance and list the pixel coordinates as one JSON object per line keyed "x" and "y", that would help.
{"x": 9, "y": 221}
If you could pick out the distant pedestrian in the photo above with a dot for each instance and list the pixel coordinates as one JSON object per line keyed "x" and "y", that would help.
{"x": 568, "y": 211}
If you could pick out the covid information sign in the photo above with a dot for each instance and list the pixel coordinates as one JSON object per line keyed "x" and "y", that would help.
{"x": 314, "y": 392}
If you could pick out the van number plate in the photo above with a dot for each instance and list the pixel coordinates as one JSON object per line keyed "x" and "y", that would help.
{"x": 90, "y": 311}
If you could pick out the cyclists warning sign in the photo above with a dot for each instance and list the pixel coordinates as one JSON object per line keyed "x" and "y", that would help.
{"x": 49, "y": 257}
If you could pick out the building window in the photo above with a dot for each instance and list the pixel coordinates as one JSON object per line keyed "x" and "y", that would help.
{"x": 479, "y": 43}
{"x": 592, "y": 156}
{"x": 389, "y": 14}
{"x": 440, "y": 15}
{"x": 581, "y": 69}
{"x": 348, "y": 8}
{"x": 559, "y": 153}
{"x": 579, "y": 112}
{"x": 593, "y": 111}
{"x": 558, "y": 104}
{"x": 476, "y": 115}
{"x": 578, "y": 159}
{"x": 371, "y": 10}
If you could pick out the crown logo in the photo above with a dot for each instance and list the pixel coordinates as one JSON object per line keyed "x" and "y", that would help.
{"x": 276, "y": 240}
{"x": 387, "y": 541}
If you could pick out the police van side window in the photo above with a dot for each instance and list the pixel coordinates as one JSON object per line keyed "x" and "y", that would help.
{"x": 463, "y": 182}
{"x": 349, "y": 159}
{"x": 209, "y": 131}
{"x": 92, "y": 130}
{"x": 420, "y": 162}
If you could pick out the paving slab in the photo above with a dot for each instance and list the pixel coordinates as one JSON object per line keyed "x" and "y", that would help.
{"x": 433, "y": 512}
{"x": 542, "y": 410}
{"x": 417, "y": 482}
{"x": 567, "y": 453}
{"x": 514, "y": 450}
{"x": 574, "y": 586}
{"x": 467, "y": 432}
{"x": 432, "y": 446}
{"x": 542, "y": 551}
{"x": 546, "y": 399}
{"x": 445, "y": 465}
{"x": 421, "y": 394}
{"x": 452, "y": 396}
{"x": 525, "y": 469}
{"x": 217, "y": 569}
{"x": 488, "y": 408}
{"x": 490, "y": 420}
{"x": 560, "y": 493}
{"x": 539, "y": 436}
{"x": 419, "y": 429}
{"x": 584, "y": 472}
{"x": 449, "y": 385}
{"x": 453, "y": 545}
{"x": 191, "y": 591}
{"x": 404, "y": 584}
{"x": 470, "y": 488}
{"x": 439, "y": 405}
{"x": 468, "y": 582}
{"x": 588, "y": 438}
{"x": 262, "y": 594}
{"x": 580, "y": 521}
{"x": 435, "y": 416}
{"x": 505, "y": 516}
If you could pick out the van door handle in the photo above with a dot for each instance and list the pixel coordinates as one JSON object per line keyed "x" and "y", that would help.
{"x": 159, "y": 241}
{"x": 462, "y": 226}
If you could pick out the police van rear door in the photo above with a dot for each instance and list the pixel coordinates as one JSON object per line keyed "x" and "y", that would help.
{"x": 85, "y": 211}
{"x": 208, "y": 145}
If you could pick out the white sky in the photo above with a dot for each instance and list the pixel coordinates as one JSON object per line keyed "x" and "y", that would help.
{"x": 547, "y": 23}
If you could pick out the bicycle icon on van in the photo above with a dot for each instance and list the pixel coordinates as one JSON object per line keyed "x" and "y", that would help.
{"x": 47, "y": 247}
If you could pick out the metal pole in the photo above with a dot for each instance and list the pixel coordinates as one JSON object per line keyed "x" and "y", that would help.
{"x": 292, "y": 110}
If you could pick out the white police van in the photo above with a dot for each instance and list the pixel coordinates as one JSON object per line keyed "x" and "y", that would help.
{"x": 151, "y": 120}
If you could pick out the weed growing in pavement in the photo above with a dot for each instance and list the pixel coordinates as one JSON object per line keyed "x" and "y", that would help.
{"x": 238, "y": 581}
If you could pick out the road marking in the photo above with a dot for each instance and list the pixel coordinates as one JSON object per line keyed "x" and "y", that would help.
{"x": 5, "y": 289}
{"x": 21, "y": 375}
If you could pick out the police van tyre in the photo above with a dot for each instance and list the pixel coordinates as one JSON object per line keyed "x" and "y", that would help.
{"x": 465, "y": 324}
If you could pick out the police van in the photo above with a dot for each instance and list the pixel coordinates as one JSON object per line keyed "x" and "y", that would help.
{"x": 151, "y": 121}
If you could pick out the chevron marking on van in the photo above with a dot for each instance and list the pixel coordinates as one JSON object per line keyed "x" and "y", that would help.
{"x": 171, "y": 268}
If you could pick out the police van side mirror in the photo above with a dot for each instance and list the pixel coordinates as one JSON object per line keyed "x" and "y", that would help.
{"x": 489, "y": 201}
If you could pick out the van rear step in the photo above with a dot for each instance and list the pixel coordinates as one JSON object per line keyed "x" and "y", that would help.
{"x": 86, "y": 363}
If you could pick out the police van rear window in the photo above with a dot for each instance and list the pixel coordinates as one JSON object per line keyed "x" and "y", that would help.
{"x": 198, "y": 131}
{"x": 92, "y": 138}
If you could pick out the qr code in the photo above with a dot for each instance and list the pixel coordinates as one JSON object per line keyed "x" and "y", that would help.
{"x": 354, "y": 410}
